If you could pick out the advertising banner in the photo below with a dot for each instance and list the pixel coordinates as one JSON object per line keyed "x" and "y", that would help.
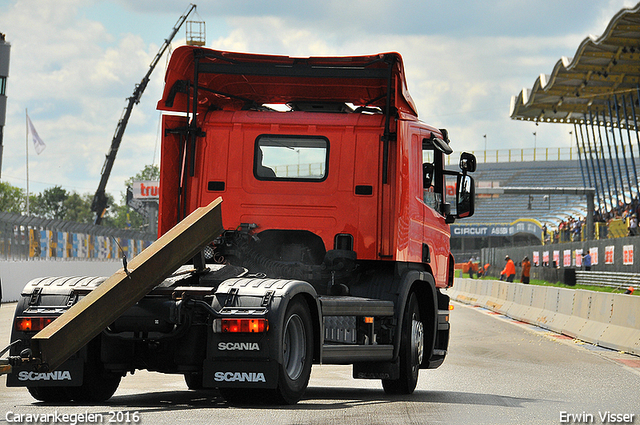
{"x": 627, "y": 255}
{"x": 146, "y": 189}
{"x": 608, "y": 254}
{"x": 483, "y": 230}
{"x": 594, "y": 255}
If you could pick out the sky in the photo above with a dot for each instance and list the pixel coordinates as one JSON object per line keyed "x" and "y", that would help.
{"x": 74, "y": 63}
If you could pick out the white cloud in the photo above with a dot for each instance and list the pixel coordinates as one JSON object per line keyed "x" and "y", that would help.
{"x": 74, "y": 77}
{"x": 74, "y": 63}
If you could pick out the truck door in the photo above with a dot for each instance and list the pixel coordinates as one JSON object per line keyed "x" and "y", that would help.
{"x": 435, "y": 249}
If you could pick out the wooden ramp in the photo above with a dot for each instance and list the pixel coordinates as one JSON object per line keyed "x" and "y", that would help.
{"x": 86, "y": 319}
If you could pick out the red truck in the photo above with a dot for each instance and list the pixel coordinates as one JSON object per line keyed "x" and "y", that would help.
{"x": 335, "y": 240}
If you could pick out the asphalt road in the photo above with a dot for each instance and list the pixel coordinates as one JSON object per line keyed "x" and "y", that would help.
{"x": 498, "y": 372}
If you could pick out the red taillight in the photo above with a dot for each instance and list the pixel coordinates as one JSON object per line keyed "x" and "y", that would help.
{"x": 32, "y": 324}
{"x": 240, "y": 325}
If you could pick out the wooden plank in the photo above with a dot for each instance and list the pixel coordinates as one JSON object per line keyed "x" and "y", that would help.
{"x": 86, "y": 319}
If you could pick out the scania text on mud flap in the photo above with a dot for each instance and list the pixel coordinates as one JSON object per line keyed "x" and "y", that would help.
{"x": 331, "y": 244}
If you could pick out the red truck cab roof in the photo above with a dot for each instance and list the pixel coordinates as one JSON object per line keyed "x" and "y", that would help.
{"x": 234, "y": 80}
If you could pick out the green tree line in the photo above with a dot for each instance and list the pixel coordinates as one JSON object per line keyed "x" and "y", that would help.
{"x": 58, "y": 203}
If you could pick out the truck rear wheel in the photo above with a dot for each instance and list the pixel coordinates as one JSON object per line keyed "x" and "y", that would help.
{"x": 411, "y": 351}
{"x": 193, "y": 381}
{"x": 98, "y": 385}
{"x": 50, "y": 394}
{"x": 297, "y": 353}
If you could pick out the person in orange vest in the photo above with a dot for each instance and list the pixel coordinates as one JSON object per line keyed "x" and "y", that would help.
{"x": 482, "y": 271}
{"x": 526, "y": 270}
{"x": 629, "y": 290}
{"x": 470, "y": 266}
{"x": 509, "y": 271}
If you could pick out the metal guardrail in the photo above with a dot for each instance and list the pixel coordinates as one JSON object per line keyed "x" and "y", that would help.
{"x": 28, "y": 237}
{"x": 610, "y": 279}
{"x": 522, "y": 155}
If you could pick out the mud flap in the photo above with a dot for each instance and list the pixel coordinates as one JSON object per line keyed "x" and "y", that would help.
{"x": 69, "y": 374}
{"x": 240, "y": 374}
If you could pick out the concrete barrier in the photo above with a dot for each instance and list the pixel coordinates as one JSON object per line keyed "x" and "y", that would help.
{"x": 510, "y": 295}
{"x": 521, "y": 302}
{"x": 609, "y": 320}
{"x": 623, "y": 331}
{"x": 600, "y": 308}
{"x": 564, "y": 310}
{"x": 549, "y": 307}
{"x": 538, "y": 297}
{"x": 579, "y": 315}
{"x": 14, "y": 275}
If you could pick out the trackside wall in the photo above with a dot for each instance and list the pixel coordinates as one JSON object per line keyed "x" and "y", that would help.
{"x": 605, "y": 319}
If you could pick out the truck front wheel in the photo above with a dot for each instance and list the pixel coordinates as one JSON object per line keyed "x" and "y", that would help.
{"x": 297, "y": 353}
{"x": 411, "y": 351}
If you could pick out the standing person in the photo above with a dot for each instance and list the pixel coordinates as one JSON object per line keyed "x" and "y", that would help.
{"x": 586, "y": 260}
{"x": 509, "y": 271}
{"x": 526, "y": 270}
{"x": 470, "y": 266}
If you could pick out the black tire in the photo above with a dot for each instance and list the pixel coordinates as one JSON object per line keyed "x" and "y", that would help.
{"x": 50, "y": 394}
{"x": 411, "y": 351}
{"x": 244, "y": 396}
{"x": 297, "y": 353}
{"x": 194, "y": 381}
{"x": 98, "y": 384}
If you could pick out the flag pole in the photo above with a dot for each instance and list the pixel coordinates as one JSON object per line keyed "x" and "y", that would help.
{"x": 26, "y": 121}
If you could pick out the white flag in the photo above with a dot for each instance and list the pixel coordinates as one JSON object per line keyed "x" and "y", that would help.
{"x": 38, "y": 144}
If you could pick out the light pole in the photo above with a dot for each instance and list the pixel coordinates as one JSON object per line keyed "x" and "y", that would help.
{"x": 485, "y": 148}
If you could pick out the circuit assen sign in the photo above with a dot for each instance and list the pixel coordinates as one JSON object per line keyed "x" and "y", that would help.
{"x": 484, "y": 230}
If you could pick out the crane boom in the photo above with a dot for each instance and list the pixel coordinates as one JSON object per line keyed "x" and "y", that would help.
{"x": 99, "y": 203}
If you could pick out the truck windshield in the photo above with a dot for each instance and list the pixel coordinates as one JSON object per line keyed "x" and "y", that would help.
{"x": 283, "y": 157}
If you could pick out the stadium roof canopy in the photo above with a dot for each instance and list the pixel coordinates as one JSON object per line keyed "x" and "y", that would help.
{"x": 604, "y": 73}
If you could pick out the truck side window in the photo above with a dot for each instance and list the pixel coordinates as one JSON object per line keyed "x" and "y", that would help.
{"x": 287, "y": 157}
{"x": 261, "y": 169}
{"x": 429, "y": 195}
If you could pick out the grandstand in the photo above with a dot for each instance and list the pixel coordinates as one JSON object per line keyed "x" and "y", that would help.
{"x": 518, "y": 219}
{"x": 549, "y": 208}
{"x": 597, "y": 92}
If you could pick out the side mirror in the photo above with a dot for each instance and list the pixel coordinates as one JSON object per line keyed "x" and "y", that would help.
{"x": 427, "y": 175}
{"x": 465, "y": 195}
{"x": 467, "y": 162}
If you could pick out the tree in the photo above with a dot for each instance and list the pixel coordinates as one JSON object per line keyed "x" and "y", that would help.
{"x": 149, "y": 173}
{"x": 78, "y": 208}
{"x": 50, "y": 203}
{"x": 123, "y": 217}
{"x": 12, "y": 199}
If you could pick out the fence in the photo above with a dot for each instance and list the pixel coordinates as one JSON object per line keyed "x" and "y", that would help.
{"x": 33, "y": 238}
{"x": 553, "y": 262}
{"x": 610, "y": 279}
{"x": 521, "y": 155}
